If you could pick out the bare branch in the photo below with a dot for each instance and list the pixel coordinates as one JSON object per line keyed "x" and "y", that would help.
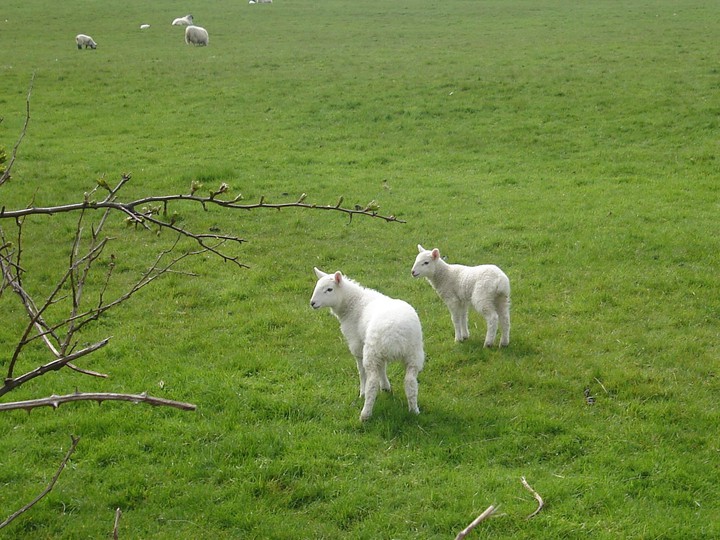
{"x": 55, "y": 401}
{"x": 536, "y": 495}
{"x": 12, "y": 383}
{"x": 6, "y": 175}
{"x": 130, "y": 208}
{"x": 86, "y": 371}
{"x": 482, "y": 517}
{"x": 47, "y": 490}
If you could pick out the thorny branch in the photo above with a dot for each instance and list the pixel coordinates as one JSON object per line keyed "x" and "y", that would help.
{"x": 55, "y": 401}
{"x": 49, "y": 487}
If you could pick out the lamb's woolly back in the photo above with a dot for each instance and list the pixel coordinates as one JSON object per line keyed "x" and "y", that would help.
{"x": 485, "y": 287}
{"x": 183, "y": 21}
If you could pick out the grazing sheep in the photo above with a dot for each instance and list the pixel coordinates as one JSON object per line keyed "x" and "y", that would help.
{"x": 378, "y": 329}
{"x": 85, "y": 41}
{"x": 264, "y": 1}
{"x": 485, "y": 287}
{"x": 144, "y": 26}
{"x": 187, "y": 20}
{"x": 196, "y": 35}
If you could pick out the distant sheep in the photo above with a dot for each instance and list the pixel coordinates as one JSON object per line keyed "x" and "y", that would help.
{"x": 144, "y": 26}
{"x": 264, "y": 1}
{"x": 187, "y": 20}
{"x": 485, "y": 287}
{"x": 196, "y": 35}
{"x": 85, "y": 41}
{"x": 378, "y": 329}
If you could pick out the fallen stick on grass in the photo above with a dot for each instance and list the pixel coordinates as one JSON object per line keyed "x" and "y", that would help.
{"x": 118, "y": 513}
{"x": 536, "y": 495}
{"x": 486, "y": 514}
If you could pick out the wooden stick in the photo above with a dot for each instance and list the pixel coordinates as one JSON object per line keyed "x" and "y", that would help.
{"x": 536, "y": 495}
{"x": 482, "y": 517}
{"x": 118, "y": 513}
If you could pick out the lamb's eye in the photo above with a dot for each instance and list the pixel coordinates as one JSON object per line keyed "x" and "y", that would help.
{"x": 426, "y": 263}
{"x": 329, "y": 289}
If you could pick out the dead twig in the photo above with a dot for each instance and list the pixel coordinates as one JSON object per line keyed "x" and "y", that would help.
{"x": 482, "y": 517}
{"x": 55, "y": 401}
{"x": 32, "y": 503}
{"x": 536, "y": 495}
{"x": 6, "y": 175}
{"x": 118, "y": 513}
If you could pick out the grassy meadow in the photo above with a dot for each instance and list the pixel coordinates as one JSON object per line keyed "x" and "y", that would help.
{"x": 574, "y": 144}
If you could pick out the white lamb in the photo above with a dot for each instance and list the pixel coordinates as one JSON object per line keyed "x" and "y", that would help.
{"x": 85, "y": 41}
{"x": 485, "y": 287}
{"x": 378, "y": 329}
{"x": 196, "y": 35}
{"x": 187, "y": 20}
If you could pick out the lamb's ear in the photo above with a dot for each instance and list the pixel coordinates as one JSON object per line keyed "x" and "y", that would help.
{"x": 435, "y": 253}
{"x": 338, "y": 277}
{"x": 421, "y": 249}
{"x": 319, "y": 273}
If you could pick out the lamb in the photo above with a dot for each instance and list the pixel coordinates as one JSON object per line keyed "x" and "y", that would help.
{"x": 485, "y": 287}
{"x": 85, "y": 41}
{"x": 187, "y": 20}
{"x": 196, "y": 35}
{"x": 378, "y": 329}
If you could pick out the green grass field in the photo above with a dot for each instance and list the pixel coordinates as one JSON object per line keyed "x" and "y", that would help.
{"x": 574, "y": 144}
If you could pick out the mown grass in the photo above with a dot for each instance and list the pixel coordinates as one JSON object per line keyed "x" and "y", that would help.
{"x": 573, "y": 145}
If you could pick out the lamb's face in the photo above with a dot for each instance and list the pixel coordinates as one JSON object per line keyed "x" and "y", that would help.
{"x": 424, "y": 264}
{"x": 326, "y": 292}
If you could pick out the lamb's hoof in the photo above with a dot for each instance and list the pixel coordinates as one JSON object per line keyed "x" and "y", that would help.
{"x": 416, "y": 410}
{"x": 365, "y": 417}
{"x": 488, "y": 345}
{"x": 504, "y": 344}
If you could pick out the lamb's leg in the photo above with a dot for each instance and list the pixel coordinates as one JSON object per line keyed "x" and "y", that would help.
{"x": 459, "y": 317}
{"x": 371, "y": 390}
{"x": 491, "y": 318}
{"x": 504, "y": 311}
{"x": 411, "y": 389}
{"x": 363, "y": 376}
{"x": 384, "y": 381}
